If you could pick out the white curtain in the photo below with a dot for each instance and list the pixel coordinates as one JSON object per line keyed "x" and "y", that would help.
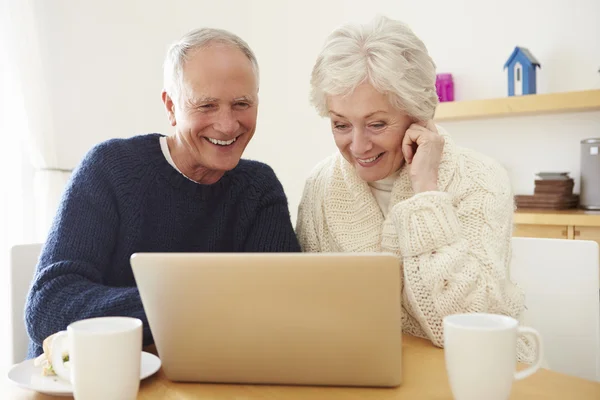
{"x": 31, "y": 186}
{"x": 25, "y": 54}
{"x": 15, "y": 178}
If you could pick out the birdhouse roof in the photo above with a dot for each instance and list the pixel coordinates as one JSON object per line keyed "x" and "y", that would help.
{"x": 527, "y": 55}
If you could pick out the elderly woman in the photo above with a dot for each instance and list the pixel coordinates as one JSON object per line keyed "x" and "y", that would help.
{"x": 188, "y": 192}
{"x": 399, "y": 183}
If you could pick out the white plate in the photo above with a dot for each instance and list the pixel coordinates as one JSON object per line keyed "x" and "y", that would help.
{"x": 28, "y": 376}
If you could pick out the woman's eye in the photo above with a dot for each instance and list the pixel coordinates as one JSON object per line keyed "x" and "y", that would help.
{"x": 377, "y": 125}
{"x": 340, "y": 126}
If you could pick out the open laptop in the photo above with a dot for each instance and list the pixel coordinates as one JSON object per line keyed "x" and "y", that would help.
{"x": 274, "y": 318}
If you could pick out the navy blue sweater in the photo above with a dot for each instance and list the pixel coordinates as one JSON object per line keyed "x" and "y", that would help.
{"x": 125, "y": 197}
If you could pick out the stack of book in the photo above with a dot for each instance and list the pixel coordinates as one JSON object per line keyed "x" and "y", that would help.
{"x": 553, "y": 191}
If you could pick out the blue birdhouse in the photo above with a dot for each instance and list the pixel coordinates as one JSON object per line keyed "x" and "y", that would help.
{"x": 521, "y": 72}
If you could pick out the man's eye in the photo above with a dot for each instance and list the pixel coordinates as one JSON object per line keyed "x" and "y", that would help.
{"x": 242, "y": 105}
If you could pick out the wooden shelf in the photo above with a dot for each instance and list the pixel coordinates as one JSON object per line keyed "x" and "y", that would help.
{"x": 563, "y": 217}
{"x": 535, "y": 104}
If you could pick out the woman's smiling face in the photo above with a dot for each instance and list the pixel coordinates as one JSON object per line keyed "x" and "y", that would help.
{"x": 368, "y": 131}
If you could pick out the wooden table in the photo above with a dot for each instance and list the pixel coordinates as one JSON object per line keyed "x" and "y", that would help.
{"x": 424, "y": 378}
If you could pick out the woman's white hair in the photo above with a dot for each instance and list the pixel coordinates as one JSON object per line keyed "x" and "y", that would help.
{"x": 384, "y": 53}
{"x": 179, "y": 52}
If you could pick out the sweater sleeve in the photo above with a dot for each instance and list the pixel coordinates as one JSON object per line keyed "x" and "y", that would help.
{"x": 456, "y": 257}
{"x": 305, "y": 224}
{"x": 271, "y": 229}
{"x": 70, "y": 281}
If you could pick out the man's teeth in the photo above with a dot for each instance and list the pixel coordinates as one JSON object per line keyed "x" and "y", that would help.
{"x": 221, "y": 142}
{"x": 369, "y": 160}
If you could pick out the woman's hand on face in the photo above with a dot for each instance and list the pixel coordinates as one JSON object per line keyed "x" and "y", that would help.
{"x": 422, "y": 147}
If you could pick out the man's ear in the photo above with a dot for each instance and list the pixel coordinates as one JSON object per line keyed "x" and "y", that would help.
{"x": 169, "y": 107}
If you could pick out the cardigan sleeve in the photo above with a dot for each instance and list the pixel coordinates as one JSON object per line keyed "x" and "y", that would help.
{"x": 305, "y": 224}
{"x": 456, "y": 256}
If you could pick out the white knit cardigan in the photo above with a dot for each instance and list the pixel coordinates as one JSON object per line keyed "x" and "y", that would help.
{"x": 454, "y": 243}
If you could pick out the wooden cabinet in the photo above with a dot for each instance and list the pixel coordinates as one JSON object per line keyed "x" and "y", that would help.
{"x": 587, "y": 233}
{"x": 568, "y": 224}
{"x": 541, "y": 231}
{"x": 566, "y": 217}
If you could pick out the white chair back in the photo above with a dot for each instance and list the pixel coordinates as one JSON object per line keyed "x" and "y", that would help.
{"x": 561, "y": 284}
{"x": 23, "y": 260}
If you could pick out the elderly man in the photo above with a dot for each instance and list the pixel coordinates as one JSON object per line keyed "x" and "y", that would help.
{"x": 189, "y": 192}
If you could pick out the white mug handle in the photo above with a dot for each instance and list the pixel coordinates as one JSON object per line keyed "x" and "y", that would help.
{"x": 60, "y": 345}
{"x": 538, "y": 349}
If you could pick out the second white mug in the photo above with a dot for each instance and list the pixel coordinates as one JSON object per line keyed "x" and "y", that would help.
{"x": 481, "y": 355}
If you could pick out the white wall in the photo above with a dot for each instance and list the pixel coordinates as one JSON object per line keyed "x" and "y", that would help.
{"x": 103, "y": 64}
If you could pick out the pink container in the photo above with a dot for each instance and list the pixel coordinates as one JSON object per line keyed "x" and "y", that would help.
{"x": 444, "y": 86}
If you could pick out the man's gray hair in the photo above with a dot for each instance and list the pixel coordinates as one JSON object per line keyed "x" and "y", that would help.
{"x": 179, "y": 52}
{"x": 384, "y": 53}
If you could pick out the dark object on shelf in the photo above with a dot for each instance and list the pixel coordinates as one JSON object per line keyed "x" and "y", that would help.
{"x": 547, "y": 201}
{"x": 553, "y": 191}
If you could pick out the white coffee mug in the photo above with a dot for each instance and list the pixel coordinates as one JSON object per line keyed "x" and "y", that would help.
{"x": 104, "y": 357}
{"x": 481, "y": 355}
